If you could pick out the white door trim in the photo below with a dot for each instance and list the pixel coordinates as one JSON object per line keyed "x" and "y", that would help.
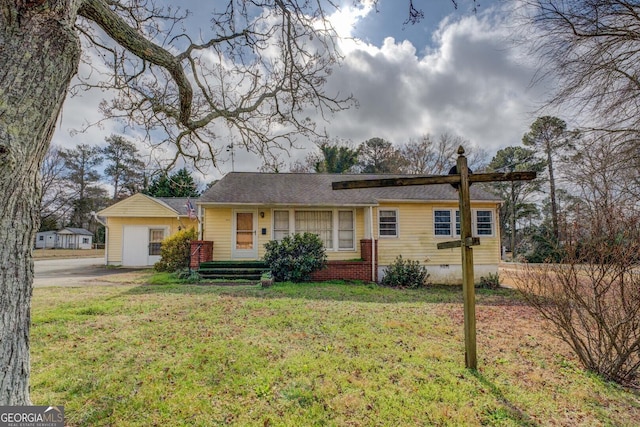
{"x": 244, "y": 253}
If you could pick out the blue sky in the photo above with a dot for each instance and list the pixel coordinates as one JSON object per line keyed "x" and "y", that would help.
{"x": 456, "y": 71}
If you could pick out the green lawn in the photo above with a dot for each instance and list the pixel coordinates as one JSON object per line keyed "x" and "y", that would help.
{"x": 305, "y": 355}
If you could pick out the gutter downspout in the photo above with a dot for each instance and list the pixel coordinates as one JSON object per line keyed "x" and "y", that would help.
{"x": 373, "y": 246}
{"x": 200, "y": 228}
{"x": 106, "y": 237}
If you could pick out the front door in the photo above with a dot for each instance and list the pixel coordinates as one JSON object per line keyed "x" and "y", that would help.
{"x": 244, "y": 235}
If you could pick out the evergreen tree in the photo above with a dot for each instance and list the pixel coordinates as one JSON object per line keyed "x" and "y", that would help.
{"x": 124, "y": 168}
{"x": 179, "y": 184}
{"x": 516, "y": 194}
{"x": 82, "y": 181}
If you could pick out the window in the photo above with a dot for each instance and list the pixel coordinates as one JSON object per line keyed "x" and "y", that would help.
{"x": 442, "y": 222}
{"x": 345, "y": 230}
{"x": 316, "y": 222}
{"x": 484, "y": 223}
{"x": 156, "y": 235}
{"x": 41, "y": 238}
{"x": 280, "y": 224}
{"x": 85, "y": 240}
{"x": 388, "y": 223}
{"x": 336, "y": 228}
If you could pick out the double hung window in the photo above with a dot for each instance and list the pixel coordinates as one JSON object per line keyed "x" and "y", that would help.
{"x": 336, "y": 228}
{"x": 446, "y": 222}
{"x": 388, "y": 223}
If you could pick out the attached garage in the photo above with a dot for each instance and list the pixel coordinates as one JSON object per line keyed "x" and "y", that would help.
{"x": 137, "y": 225}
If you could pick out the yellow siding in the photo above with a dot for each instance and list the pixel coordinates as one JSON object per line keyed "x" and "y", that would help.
{"x": 116, "y": 226}
{"x": 218, "y": 228}
{"x": 138, "y": 205}
{"x": 417, "y": 240}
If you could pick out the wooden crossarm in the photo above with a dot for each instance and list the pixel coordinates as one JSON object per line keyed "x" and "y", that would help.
{"x": 430, "y": 180}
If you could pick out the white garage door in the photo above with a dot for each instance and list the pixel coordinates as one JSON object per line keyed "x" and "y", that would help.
{"x": 141, "y": 245}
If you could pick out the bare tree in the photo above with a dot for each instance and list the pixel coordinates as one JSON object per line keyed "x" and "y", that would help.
{"x": 604, "y": 174}
{"x": 592, "y": 298}
{"x": 437, "y": 156}
{"x": 259, "y": 67}
{"x": 55, "y": 198}
{"x": 377, "y": 155}
{"x": 590, "y": 50}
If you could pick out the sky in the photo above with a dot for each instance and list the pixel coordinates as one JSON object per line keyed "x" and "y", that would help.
{"x": 458, "y": 71}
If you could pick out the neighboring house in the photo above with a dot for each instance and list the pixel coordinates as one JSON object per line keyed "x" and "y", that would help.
{"x": 74, "y": 238}
{"x": 243, "y": 211}
{"x": 136, "y": 226}
{"x": 46, "y": 239}
{"x": 67, "y": 238}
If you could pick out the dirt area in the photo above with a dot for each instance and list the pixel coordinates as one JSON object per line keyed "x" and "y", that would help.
{"x": 67, "y": 253}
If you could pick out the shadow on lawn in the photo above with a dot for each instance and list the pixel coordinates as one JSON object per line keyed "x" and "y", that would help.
{"x": 508, "y": 410}
{"x": 341, "y": 291}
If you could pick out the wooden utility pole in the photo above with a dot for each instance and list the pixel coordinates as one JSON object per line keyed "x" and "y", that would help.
{"x": 461, "y": 180}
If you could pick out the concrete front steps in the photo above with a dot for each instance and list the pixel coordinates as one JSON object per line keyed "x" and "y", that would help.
{"x": 232, "y": 270}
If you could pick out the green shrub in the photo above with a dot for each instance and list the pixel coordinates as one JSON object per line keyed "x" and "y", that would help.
{"x": 491, "y": 281}
{"x": 295, "y": 257}
{"x": 405, "y": 274}
{"x": 175, "y": 251}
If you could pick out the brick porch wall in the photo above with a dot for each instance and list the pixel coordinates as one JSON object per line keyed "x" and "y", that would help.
{"x": 201, "y": 251}
{"x": 350, "y": 270}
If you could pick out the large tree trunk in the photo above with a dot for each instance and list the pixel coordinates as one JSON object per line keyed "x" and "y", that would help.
{"x": 39, "y": 53}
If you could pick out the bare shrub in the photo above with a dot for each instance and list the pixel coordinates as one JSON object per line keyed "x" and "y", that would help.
{"x": 592, "y": 298}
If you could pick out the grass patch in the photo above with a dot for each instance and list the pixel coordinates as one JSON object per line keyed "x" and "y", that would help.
{"x": 305, "y": 354}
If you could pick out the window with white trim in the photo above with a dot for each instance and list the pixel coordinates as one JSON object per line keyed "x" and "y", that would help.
{"x": 156, "y": 235}
{"x": 446, "y": 222}
{"x": 335, "y": 227}
{"x": 482, "y": 222}
{"x": 280, "y": 224}
{"x": 316, "y": 222}
{"x": 388, "y": 223}
{"x": 345, "y": 230}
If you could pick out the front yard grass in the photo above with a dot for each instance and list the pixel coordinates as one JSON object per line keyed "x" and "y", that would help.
{"x": 331, "y": 354}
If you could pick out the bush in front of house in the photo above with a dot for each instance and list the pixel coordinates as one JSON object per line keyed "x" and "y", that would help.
{"x": 175, "y": 252}
{"x": 295, "y": 257}
{"x": 405, "y": 274}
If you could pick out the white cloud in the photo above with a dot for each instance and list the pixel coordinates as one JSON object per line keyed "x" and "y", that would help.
{"x": 467, "y": 79}
{"x": 469, "y": 82}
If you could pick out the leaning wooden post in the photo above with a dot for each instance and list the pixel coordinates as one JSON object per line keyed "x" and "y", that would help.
{"x": 468, "y": 289}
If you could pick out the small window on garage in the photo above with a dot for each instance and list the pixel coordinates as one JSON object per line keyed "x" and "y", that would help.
{"x": 156, "y": 235}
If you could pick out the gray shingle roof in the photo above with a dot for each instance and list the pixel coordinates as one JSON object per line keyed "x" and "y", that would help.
{"x": 177, "y": 203}
{"x": 71, "y": 230}
{"x": 315, "y": 190}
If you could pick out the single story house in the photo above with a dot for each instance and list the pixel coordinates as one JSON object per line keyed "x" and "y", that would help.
{"x": 67, "y": 238}
{"x": 46, "y": 239}
{"x": 136, "y": 226}
{"x": 363, "y": 230}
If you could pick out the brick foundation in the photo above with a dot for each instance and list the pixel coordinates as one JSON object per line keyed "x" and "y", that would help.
{"x": 350, "y": 270}
{"x": 201, "y": 251}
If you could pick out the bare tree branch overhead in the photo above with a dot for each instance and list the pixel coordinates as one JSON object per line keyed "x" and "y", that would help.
{"x": 589, "y": 48}
{"x": 258, "y": 70}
